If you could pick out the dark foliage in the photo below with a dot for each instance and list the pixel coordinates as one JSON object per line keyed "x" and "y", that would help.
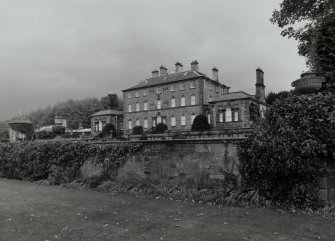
{"x": 200, "y": 123}
{"x": 272, "y": 96}
{"x": 137, "y": 130}
{"x": 58, "y": 130}
{"x": 108, "y": 129}
{"x": 58, "y": 161}
{"x": 285, "y": 155}
{"x": 160, "y": 128}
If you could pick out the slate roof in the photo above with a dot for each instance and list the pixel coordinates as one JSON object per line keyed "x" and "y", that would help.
{"x": 108, "y": 112}
{"x": 185, "y": 75}
{"x": 234, "y": 96}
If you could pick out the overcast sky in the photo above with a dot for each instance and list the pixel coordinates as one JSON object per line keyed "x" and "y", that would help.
{"x": 54, "y": 50}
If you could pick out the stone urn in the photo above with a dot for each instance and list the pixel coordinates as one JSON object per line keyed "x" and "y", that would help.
{"x": 309, "y": 82}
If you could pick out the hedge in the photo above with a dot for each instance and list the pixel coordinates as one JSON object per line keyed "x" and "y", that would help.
{"x": 59, "y": 162}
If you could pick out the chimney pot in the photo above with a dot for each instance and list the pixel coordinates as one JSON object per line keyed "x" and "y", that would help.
{"x": 179, "y": 67}
{"x": 162, "y": 70}
{"x": 154, "y": 73}
{"x": 215, "y": 74}
{"x": 194, "y": 65}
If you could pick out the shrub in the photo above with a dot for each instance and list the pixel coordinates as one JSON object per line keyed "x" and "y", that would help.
{"x": 59, "y": 161}
{"x": 108, "y": 129}
{"x": 200, "y": 123}
{"x": 58, "y": 130}
{"x": 285, "y": 155}
{"x": 160, "y": 128}
{"x": 137, "y": 130}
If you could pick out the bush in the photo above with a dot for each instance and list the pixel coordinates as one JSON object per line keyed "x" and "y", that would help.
{"x": 108, "y": 129}
{"x": 285, "y": 155}
{"x": 160, "y": 128}
{"x": 58, "y": 130}
{"x": 59, "y": 161}
{"x": 200, "y": 123}
{"x": 137, "y": 130}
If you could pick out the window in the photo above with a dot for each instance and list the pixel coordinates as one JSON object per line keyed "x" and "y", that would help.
{"x": 222, "y": 91}
{"x": 129, "y": 95}
{"x": 137, "y": 122}
{"x": 158, "y": 91}
{"x": 182, "y": 86}
{"x": 145, "y": 123}
{"x": 192, "y": 99}
{"x": 137, "y": 94}
{"x": 221, "y": 117}
{"x": 236, "y": 115}
{"x": 210, "y": 98}
{"x": 192, "y": 118}
{"x": 210, "y": 87}
{"x": 173, "y": 121}
{"x": 193, "y": 84}
{"x": 159, "y": 104}
{"x": 129, "y": 108}
{"x": 145, "y": 92}
{"x": 228, "y": 115}
{"x": 145, "y": 106}
{"x": 173, "y": 102}
{"x": 130, "y": 125}
{"x": 172, "y": 88}
{"x": 209, "y": 118}
{"x": 137, "y": 106}
{"x": 183, "y": 120}
{"x": 216, "y": 89}
{"x": 182, "y": 101}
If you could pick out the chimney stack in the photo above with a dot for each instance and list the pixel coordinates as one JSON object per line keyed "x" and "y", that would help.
{"x": 194, "y": 65}
{"x": 154, "y": 73}
{"x": 215, "y": 74}
{"x": 260, "y": 87}
{"x": 179, "y": 67}
{"x": 162, "y": 70}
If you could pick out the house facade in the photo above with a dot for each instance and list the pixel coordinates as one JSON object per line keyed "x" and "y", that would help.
{"x": 174, "y": 99}
{"x": 101, "y": 118}
{"x": 238, "y": 110}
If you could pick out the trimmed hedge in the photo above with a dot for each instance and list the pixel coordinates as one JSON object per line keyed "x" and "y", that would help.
{"x": 58, "y": 161}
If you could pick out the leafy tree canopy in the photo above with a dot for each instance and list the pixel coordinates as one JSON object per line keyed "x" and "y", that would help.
{"x": 200, "y": 123}
{"x": 312, "y": 23}
{"x": 272, "y": 96}
{"x": 284, "y": 156}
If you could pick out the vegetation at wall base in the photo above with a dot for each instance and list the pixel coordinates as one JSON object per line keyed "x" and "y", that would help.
{"x": 160, "y": 128}
{"x": 200, "y": 123}
{"x": 286, "y": 153}
{"x": 137, "y": 130}
{"x": 59, "y": 162}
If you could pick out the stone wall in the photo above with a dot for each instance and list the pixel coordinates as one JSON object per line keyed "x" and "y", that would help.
{"x": 182, "y": 160}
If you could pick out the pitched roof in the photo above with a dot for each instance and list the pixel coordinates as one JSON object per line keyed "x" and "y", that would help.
{"x": 108, "y": 112}
{"x": 185, "y": 75}
{"x": 234, "y": 96}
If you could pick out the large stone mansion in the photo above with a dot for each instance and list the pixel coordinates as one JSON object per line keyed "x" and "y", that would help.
{"x": 176, "y": 99}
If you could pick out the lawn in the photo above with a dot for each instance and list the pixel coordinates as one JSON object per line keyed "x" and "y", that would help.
{"x": 29, "y": 211}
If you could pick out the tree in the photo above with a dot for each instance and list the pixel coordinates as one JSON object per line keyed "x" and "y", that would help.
{"x": 272, "y": 96}
{"x": 4, "y": 130}
{"x": 137, "y": 130}
{"x": 200, "y": 123}
{"x": 160, "y": 128}
{"x": 108, "y": 129}
{"x": 284, "y": 157}
{"x": 315, "y": 32}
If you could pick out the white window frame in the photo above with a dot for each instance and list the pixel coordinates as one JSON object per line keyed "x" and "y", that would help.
{"x": 173, "y": 121}
{"x": 236, "y": 115}
{"x": 220, "y": 117}
{"x": 138, "y": 122}
{"x": 145, "y": 123}
{"x": 193, "y": 99}
{"x": 193, "y": 84}
{"x": 129, "y": 108}
{"x": 172, "y": 89}
{"x": 183, "y": 101}
{"x": 159, "y": 104}
{"x": 209, "y": 118}
{"x": 145, "y": 93}
{"x": 129, "y": 95}
{"x": 173, "y": 102}
{"x": 145, "y": 105}
{"x": 137, "y": 94}
{"x": 182, "y": 86}
{"x": 183, "y": 120}
{"x": 130, "y": 125}
{"x": 137, "y": 106}
{"x": 228, "y": 115}
{"x": 158, "y": 91}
